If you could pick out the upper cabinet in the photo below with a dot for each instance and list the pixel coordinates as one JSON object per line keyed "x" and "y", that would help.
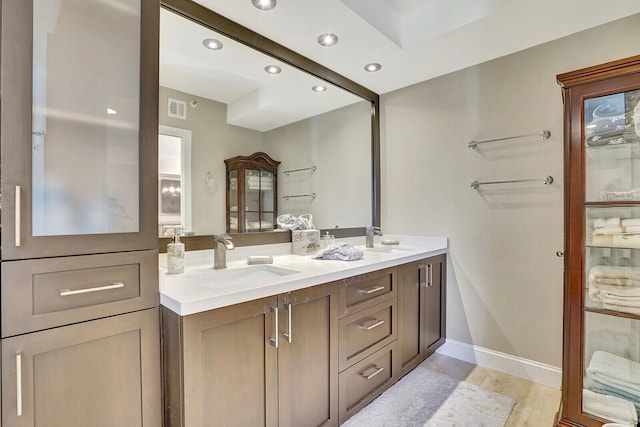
{"x": 601, "y": 362}
{"x": 252, "y": 193}
{"x": 79, "y": 126}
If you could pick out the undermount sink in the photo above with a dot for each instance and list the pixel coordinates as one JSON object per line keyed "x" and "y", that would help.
{"x": 388, "y": 249}
{"x": 229, "y": 276}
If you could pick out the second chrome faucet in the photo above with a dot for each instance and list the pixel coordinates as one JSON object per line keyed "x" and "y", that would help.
{"x": 221, "y": 243}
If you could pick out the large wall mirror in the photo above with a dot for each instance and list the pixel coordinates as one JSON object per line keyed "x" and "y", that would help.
{"x": 225, "y": 92}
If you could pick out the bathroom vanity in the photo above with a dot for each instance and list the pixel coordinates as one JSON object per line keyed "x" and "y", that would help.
{"x": 308, "y": 342}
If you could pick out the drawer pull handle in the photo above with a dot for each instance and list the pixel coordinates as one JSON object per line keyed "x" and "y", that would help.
{"x": 18, "y": 213}
{"x": 377, "y": 370}
{"x": 18, "y": 384}
{"x": 287, "y": 336}
{"x": 274, "y": 341}
{"x": 372, "y": 290}
{"x": 371, "y": 326}
{"x": 68, "y": 292}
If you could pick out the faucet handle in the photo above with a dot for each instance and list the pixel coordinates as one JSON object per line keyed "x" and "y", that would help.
{"x": 373, "y": 228}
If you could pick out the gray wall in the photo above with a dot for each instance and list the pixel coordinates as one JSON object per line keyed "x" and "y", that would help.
{"x": 505, "y": 283}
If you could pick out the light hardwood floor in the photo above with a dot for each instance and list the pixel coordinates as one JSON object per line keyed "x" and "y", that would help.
{"x": 536, "y": 405}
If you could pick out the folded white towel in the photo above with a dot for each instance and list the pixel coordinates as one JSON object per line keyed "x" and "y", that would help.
{"x": 612, "y": 222}
{"x": 631, "y": 229}
{"x": 607, "y": 231}
{"x": 627, "y": 241}
{"x": 609, "y": 407}
{"x": 600, "y": 240}
{"x": 601, "y": 292}
{"x": 630, "y": 222}
{"x": 340, "y": 251}
{"x": 623, "y": 275}
{"x": 615, "y": 372}
{"x": 599, "y": 223}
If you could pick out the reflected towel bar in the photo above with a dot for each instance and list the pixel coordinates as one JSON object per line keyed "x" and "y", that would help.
{"x": 545, "y": 134}
{"x": 312, "y": 169}
{"x": 547, "y": 180}
{"x": 287, "y": 197}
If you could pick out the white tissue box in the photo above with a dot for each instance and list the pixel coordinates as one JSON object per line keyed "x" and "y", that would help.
{"x": 305, "y": 242}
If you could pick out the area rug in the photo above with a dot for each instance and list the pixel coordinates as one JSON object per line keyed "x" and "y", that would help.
{"x": 424, "y": 398}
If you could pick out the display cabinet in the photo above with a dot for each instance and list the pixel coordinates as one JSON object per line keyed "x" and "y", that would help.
{"x": 601, "y": 359}
{"x": 252, "y": 193}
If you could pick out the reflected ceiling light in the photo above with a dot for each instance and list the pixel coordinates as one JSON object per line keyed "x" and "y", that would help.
{"x": 272, "y": 69}
{"x": 319, "y": 88}
{"x": 264, "y": 4}
{"x": 374, "y": 66}
{"x": 328, "y": 39}
{"x": 212, "y": 44}
{"x": 111, "y": 112}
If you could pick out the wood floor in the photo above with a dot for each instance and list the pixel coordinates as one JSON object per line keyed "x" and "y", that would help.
{"x": 536, "y": 406}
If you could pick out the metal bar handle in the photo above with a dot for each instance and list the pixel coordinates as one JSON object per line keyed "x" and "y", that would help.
{"x": 377, "y": 370}
{"x": 18, "y": 212}
{"x": 545, "y": 134}
{"x": 547, "y": 180}
{"x": 18, "y": 384}
{"x": 312, "y": 169}
{"x": 423, "y": 275}
{"x": 287, "y": 336}
{"x": 371, "y": 290}
{"x": 287, "y": 197}
{"x": 274, "y": 341}
{"x": 430, "y": 267}
{"x": 375, "y": 323}
{"x": 67, "y": 292}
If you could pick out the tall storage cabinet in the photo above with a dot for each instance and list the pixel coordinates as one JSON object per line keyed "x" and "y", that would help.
{"x": 601, "y": 361}
{"x": 79, "y": 282}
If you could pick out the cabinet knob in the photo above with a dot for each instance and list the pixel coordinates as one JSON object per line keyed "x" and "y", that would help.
{"x": 559, "y": 254}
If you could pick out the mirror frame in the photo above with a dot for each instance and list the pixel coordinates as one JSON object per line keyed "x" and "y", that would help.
{"x": 207, "y": 18}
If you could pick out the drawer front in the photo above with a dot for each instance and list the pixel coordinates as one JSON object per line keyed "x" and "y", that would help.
{"x": 366, "y": 380}
{"x": 359, "y": 292}
{"x": 44, "y": 293}
{"x": 365, "y": 332}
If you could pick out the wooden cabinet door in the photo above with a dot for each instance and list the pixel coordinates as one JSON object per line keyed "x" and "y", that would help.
{"x": 411, "y": 314}
{"x": 435, "y": 303}
{"x": 308, "y": 357}
{"x": 224, "y": 367}
{"x": 102, "y": 373}
{"x": 79, "y": 127}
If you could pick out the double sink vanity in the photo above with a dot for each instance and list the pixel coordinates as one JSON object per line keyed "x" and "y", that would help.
{"x": 301, "y": 341}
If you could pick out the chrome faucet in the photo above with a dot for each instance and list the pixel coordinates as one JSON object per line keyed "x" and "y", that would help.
{"x": 372, "y": 231}
{"x": 221, "y": 242}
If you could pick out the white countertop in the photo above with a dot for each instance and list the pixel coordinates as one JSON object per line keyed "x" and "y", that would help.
{"x": 201, "y": 288}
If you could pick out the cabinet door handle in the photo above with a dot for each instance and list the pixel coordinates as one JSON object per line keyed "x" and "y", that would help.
{"x": 287, "y": 336}
{"x": 422, "y": 273}
{"x": 274, "y": 341}
{"x": 18, "y": 212}
{"x": 19, "y": 384}
{"x": 374, "y": 324}
{"x": 377, "y": 370}
{"x": 67, "y": 292}
{"x": 371, "y": 290}
{"x": 430, "y": 274}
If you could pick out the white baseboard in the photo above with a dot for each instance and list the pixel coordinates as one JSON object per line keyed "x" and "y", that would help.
{"x": 536, "y": 372}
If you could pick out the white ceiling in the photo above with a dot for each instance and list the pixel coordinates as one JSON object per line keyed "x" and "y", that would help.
{"x": 414, "y": 40}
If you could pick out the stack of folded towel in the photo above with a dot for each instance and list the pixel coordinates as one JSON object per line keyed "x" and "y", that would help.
{"x": 609, "y": 407}
{"x": 617, "y": 288}
{"x": 616, "y": 232}
{"x": 615, "y": 376}
{"x": 260, "y": 183}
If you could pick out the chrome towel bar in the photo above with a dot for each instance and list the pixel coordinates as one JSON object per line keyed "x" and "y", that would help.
{"x": 547, "y": 180}
{"x": 312, "y": 169}
{"x": 287, "y": 197}
{"x": 545, "y": 134}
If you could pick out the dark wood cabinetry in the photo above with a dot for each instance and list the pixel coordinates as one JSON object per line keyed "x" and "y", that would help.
{"x": 602, "y": 207}
{"x": 252, "y": 193}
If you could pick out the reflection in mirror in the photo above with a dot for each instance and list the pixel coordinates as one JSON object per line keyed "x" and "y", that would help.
{"x": 232, "y": 106}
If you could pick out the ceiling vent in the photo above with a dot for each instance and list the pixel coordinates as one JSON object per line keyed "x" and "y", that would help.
{"x": 177, "y": 109}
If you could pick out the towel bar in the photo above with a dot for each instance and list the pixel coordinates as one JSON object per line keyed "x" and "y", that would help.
{"x": 312, "y": 169}
{"x": 287, "y": 197}
{"x": 547, "y": 180}
{"x": 545, "y": 134}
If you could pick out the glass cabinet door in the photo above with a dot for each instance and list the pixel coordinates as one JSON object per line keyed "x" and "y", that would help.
{"x": 79, "y": 126}
{"x": 611, "y": 288}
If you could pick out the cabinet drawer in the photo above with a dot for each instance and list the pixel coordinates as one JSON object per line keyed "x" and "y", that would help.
{"x": 359, "y": 292}
{"x": 44, "y": 293}
{"x": 364, "y": 332}
{"x": 366, "y": 380}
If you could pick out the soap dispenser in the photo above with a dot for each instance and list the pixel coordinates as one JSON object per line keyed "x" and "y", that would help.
{"x": 175, "y": 254}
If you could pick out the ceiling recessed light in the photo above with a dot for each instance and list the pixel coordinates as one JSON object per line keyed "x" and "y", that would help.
{"x": 272, "y": 69}
{"x": 374, "y": 66}
{"x": 111, "y": 112}
{"x": 212, "y": 44}
{"x": 264, "y": 4}
{"x": 328, "y": 39}
{"x": 319, "y": 88}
